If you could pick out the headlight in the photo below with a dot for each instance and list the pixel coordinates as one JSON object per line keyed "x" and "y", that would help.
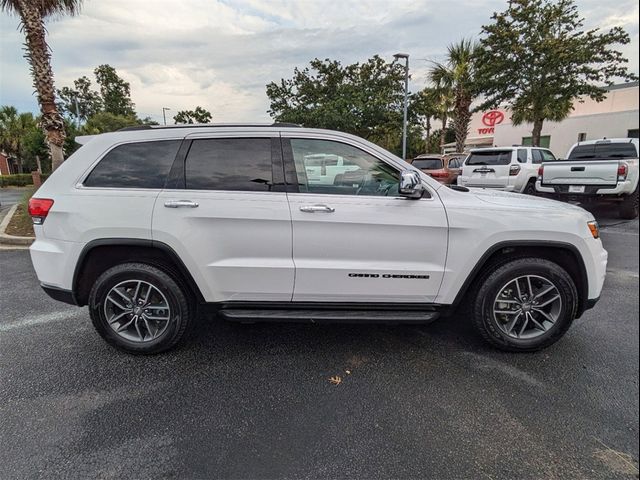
{"x": 595, "y": 228}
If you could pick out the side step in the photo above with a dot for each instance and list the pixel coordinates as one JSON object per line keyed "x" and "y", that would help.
{"x": 329, "y": 316}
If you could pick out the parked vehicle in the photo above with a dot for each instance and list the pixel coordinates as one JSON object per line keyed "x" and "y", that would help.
{"x": 512, "y": 169}
{"x": 444, "y": 168}
{"x": 596, "y": 171}
{"x": 147, "y": 226}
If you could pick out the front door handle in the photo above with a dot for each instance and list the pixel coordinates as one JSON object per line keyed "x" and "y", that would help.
{"x": 317, "y": 208}
{"x": 180, "y": 203}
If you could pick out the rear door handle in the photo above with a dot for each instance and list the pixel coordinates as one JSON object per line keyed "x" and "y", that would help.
{"x": 180, "y": 203}
{"x": 317, "y": 208}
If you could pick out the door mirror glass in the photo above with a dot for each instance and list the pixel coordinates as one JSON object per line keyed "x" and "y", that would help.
{"x": 410, "y": 184}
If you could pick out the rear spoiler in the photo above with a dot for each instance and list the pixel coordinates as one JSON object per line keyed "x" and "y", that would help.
{"x": 84, "y": 139}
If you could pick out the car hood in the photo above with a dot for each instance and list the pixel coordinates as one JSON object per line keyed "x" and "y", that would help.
{"x": 527, "y": 202}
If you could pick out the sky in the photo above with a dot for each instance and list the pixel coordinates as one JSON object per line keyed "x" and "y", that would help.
{"x": 220, "y": 54}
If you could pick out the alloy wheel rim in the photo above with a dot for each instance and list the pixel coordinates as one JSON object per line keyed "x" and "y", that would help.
{"x": 527, "y": 307}
{"x": 137, "y": 310}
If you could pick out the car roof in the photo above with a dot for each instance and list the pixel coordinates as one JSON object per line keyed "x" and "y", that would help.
{"x": 608, "y": 140}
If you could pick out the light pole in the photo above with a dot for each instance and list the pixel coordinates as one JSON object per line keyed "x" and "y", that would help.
{"x": 398, "y": 56}
{"x": 164, "y": 115}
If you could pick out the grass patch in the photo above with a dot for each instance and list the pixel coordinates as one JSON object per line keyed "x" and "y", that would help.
{"x": 21, "y": 224}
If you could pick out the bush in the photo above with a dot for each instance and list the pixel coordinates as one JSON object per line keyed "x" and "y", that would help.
{"x": 17, "y": 180}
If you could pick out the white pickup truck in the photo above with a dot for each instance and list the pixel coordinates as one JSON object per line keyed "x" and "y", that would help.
{"x": 603, "y": 170}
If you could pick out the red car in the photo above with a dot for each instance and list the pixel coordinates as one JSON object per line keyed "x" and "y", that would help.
{"x": 444, "y": 168}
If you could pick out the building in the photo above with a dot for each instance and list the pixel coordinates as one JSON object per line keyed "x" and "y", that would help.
{"x": 616, "y": 116}
{"x": 8, "y": 165}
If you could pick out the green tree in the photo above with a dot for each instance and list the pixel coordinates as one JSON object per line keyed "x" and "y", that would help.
{"x": 198, "y": 115}
{"x": 38, "y": 54}
{"x": 15, "y": 128}
{"x": 455, "y": 77}
{"x": 363, "y": 98}
{"x": 79, "y": 102}
{"x": 537, "y": 59}
{"x": 114, "y": 91}
{"x": 104, "y": 122}
{"x": 422, "y": 110}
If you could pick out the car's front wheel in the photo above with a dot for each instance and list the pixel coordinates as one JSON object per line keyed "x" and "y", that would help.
{"x": 139, "y": 308}
{"x": 525, "y": 305}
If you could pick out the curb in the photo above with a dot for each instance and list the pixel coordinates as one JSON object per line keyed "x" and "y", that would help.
{"x": 12, "y": 239}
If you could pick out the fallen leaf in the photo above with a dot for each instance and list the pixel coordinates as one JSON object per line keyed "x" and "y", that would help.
{"x": 336, "y": 380}
{"x": 348, "y": 372}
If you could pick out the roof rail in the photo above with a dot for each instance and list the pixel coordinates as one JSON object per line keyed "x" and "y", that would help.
{"x": 210, "y": 125}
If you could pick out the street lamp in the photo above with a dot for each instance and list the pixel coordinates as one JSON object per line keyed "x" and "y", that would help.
{"x": 398, "y": 56}
{"x": 164, "y": 116}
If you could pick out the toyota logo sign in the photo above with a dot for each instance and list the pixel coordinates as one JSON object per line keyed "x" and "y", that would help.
{"x": 492, "y": 118}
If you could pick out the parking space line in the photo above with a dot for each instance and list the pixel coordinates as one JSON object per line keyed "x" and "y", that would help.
{"x": 36, "y": 320}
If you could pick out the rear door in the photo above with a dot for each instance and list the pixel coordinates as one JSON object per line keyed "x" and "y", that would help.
{"x": 488, "y": 169}
{"x": 357, "y": 240}
{"x": 225, "y": 213}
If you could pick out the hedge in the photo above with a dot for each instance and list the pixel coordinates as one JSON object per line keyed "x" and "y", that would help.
{"x": 18, "y": 180}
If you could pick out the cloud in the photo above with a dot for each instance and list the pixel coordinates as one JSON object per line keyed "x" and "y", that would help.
{"x": 220, "y": 54}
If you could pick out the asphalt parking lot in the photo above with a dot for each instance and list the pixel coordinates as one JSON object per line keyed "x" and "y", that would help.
{"x": 256, "y": 401}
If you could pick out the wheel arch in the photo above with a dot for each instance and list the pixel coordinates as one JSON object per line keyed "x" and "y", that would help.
{"x": 100, "y": 254}
{"x": 564, "y": 254}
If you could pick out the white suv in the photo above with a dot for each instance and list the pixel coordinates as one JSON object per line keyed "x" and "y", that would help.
{"x": 147, "y": 226}
{"x": 512, "y": 169}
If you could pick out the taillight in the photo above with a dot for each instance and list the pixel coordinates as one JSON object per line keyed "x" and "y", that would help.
{"x": 623, "y": 171}
{"x": 439, "y": 174}
{"x": 514, "y": 170}
{"x": 541, "y": 171}
{"x": 39, "y": 209}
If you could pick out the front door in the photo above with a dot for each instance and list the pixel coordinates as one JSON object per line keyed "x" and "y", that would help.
{"x": 225, "y": 213}
{"x": 356, "y": 239}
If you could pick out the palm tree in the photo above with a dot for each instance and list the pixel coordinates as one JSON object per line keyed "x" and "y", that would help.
{"x": 32, "y": 15}
{"x": 456, "y": 79}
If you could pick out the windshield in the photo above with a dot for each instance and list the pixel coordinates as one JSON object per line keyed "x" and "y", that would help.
{"x": 603, "y": 151}
{"x": 493, "y": 157}
{"x": 428, "y": 163}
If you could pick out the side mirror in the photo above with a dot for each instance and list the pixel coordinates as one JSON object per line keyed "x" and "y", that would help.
{"x": 411, "y": 184}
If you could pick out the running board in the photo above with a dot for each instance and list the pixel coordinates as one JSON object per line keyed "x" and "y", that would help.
{"x": 329, "y": 316}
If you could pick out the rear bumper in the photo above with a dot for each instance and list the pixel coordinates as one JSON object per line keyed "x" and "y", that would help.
{"x": 60, "y": 294}
{"x": 590, "y": 190}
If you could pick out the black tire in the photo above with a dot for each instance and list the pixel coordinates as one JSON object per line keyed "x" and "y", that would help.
{"x": 496, "y": 277}
{"x": 629, "y": 206}
{"x": 181, "y": 307}
{"x": 530, "y": 188}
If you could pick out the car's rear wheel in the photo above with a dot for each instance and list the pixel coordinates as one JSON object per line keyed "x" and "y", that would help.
{"x": 629, "y": 206}
{"x": 525, "y": 305}
{"x": 530, "y": 188}
{"x": 139, "y": 308}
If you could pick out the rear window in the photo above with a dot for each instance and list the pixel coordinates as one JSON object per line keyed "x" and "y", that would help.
{"x": 428, "y": 163}
{"x": 603, "y": 151}
{"x": 135, "y": 165}
{"x": 239, "y": 164}
{"x": 493, "y": 157}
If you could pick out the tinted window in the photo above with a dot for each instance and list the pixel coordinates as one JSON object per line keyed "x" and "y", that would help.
{"x": 229, "y": 164}
{"x": 427, "y": 163}
{"x": 603, "y": 151}
{"x": 522, "y": 155}
{"x": 135, "y": 165}
{"x": 537, "y": 156}
{"x": 355, "y": 172}
{"x": 492, "y": 157}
